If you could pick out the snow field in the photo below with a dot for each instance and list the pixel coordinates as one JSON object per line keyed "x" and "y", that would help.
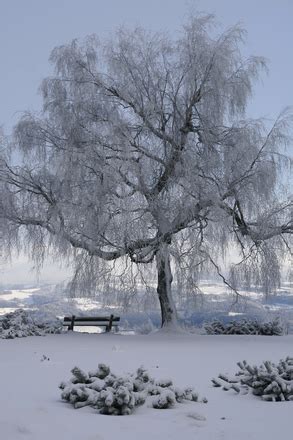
{"x": 32, "y": 368}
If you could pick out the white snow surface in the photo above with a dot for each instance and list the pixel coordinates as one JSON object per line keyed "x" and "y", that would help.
{"x": 32, "y": 368}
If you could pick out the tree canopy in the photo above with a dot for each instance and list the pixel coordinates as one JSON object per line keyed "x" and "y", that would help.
{"x": 143, "y": 151}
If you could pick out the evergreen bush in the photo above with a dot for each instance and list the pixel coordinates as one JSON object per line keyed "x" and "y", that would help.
{"x": 271, "y": 382}
{"x": 22, "y": 323}
{"x": 245, "y": 327}
{"x": 114, "y": 395}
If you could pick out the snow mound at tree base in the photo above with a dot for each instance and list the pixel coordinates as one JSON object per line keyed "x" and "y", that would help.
{"x": 114, "y": 395}
{"x": 22, "y": 323}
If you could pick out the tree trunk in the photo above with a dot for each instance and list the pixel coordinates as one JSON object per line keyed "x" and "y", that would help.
{"x": 168, "y": 310}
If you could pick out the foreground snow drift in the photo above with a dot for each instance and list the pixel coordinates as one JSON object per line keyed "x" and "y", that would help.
{"x": 32, "y": 368}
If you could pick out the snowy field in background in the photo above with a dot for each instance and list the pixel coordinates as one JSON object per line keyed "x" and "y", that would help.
{"x": 31, "y": 408}
{"x": 214, "y": 303}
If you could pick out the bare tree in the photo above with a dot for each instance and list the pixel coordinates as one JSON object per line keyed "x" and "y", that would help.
{"x": 142, "y": 152}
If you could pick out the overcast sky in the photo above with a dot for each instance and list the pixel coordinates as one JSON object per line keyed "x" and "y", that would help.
{"x": 30, "y": 29}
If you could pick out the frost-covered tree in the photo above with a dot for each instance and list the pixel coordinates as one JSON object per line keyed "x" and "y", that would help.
{"x": 142, "y": 153}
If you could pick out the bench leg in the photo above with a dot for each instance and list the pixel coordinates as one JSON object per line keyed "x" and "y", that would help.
{"x": 109, "y": 326}
{"x": 71, "y": 327}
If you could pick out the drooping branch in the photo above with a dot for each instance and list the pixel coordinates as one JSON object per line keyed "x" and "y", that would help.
{"x": 142, "y": 139}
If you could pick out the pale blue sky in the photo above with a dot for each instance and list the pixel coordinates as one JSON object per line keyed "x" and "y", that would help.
{"x": 30, "y": 29}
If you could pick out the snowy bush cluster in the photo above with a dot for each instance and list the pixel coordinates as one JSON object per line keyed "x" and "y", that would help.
{"x": 245, "y": 327}
{"x": 269, "y": 381}
{"x": 21, "y": 323}
{"x": 114, "y": 395}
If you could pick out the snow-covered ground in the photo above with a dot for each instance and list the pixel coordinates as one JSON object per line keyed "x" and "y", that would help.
{"x": 31, "y": 369}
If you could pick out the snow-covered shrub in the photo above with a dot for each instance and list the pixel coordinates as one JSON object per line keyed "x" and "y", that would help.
{"x": 120, "y": 398}
{"x": 114, "y": 395}
{"x": 22, "y": 323}
{"x": 102, "y": 390}
{"x": 102, "y": 372}
{"x": 272, "y": 382}
{"x": 245, "y": 327}
{"x": 166, "y": 399}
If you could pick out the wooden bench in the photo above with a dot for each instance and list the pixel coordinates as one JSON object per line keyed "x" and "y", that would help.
{"x": 99, "y": 321}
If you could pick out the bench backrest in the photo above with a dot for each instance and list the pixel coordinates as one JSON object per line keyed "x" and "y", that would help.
{"x": 101, "y": 321}
{"x": 91, "y": 318}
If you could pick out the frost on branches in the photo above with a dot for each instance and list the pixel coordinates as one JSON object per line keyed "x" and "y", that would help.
{"x": 245, "y": 327}
{"x": 114, "y": 395}
{"x": 143, "y": 153}
{"x": 272, "y": 382}
{"x": 21, "y": 323}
